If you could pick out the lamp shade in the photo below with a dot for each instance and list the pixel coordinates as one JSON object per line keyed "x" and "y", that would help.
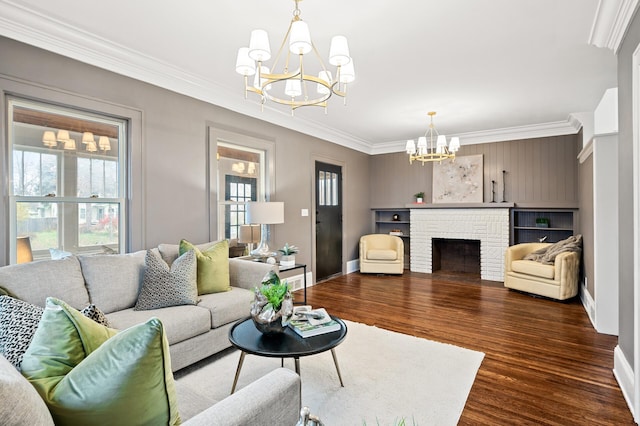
{"x": 300, "y": 38}
{"x": 249, "y": 234}
{"x": 244, "y": 64}
{"x": 87, "y": 137}
{"x": 293, "y": 88}
{"x": 63, "y": 135}
{"x": 91, "y": 146}
{"x": 410, "y": 147}
{"x": 104, "y": 143}
{"x": 70, "y": 144}
{"x": 326, "y": 76}
{"x": 265, "y": 212}
{"x": 347, "y": 73}
{"x": 339, "y": 51}
{"x": 23, "y": 250}
{"x": 259, "y": 49}
{"x": 454, "y": 145}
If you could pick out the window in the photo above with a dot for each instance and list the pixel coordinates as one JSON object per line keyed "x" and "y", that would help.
{"x": 327, "y": 188}
{"x": 241, "y": 170}
{"x": 67, "y": 179}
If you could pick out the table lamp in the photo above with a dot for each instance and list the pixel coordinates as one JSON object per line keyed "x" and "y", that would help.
{"x": 23, "y": 250}
{"x": 264, "y": 213}
{"x": 249, "y": 235}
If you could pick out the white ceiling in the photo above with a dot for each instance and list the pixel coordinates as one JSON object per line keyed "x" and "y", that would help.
{"x": 492, "y": 69}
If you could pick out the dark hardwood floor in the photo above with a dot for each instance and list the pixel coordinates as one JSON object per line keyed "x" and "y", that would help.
{"x": 544, "y": 362}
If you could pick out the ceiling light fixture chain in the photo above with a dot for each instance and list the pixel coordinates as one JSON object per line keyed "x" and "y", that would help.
{"x": 292, "y": 88}
{"x": 432, "y": 146}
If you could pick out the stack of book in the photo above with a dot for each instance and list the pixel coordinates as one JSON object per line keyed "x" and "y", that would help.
{"x": 309, "y": 322}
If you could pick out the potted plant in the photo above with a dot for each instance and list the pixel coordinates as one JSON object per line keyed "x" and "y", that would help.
{"x": 419, "y": 197}
{"x": 288, "y": 257}
{"x": 542, "y": 222}
{"x": 272, "y": 306}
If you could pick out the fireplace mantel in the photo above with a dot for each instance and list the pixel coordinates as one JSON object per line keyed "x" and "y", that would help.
{"x": 460, "y": 205}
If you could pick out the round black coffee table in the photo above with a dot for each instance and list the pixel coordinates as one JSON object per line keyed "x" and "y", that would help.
{"x": 245, "y": 336}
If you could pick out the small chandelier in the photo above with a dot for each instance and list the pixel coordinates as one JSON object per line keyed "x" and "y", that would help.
{"x": 432, "y": 146}
{"x": 292, "y": 84}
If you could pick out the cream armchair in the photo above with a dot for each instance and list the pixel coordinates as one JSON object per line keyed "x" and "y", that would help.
{"x": 381, "y": 254}
{"x": 558, "y": 281}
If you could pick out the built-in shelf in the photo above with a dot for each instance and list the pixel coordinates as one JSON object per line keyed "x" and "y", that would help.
{"x": 562, "y": 223}
{"x": 384, "y": 223}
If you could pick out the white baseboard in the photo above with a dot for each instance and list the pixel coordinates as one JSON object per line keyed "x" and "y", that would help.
{"x": 589, "y": 305}
{"x": 296, "y": 282}
{"x": 625, "y": 377}
{"x": 353, "y": 266}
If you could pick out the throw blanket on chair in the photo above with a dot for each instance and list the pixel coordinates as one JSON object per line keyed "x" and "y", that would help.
{"x": 547, "y": 255}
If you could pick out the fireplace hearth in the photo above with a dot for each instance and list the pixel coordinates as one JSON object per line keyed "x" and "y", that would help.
{"x": 455, "y": 255}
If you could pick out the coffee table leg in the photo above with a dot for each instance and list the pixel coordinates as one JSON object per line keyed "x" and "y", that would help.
{"x": 235, "y": 380}
{"x": 335, "y": 361}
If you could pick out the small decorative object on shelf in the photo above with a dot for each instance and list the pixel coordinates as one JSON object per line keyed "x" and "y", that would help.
{"x": 288, "y": 258}
{"x": 542, "y": 222}
{"x": 272, "y": 306}
{"x": 419, "y": 197}
{"x": 395, "y": 217}
{"x": 397, "y": 232}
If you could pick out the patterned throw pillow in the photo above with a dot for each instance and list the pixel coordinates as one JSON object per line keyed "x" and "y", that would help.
{"x": 18, "y": 323}
{"x": 163, "y": 286}
{"x": 94, "y": 313}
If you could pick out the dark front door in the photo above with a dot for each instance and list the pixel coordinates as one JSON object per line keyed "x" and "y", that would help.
{"x": 328, "y": 220}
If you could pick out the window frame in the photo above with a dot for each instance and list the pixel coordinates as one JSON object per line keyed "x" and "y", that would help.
{"x": 66, "y": 232}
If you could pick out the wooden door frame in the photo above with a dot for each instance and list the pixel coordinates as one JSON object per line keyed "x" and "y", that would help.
{"x": 343, "y": 167}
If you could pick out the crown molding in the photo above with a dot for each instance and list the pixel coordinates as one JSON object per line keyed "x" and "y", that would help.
{"x": 569, "y": 127}
{"x": 611, "y": 22}
{"x": 31, "y": 27}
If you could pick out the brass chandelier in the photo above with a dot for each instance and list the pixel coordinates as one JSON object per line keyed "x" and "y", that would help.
{"x": 294, "y": 85}
{"x": 432, "y": 146}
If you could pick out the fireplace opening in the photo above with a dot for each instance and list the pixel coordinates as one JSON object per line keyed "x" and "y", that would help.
{"x": 452, "y": 255}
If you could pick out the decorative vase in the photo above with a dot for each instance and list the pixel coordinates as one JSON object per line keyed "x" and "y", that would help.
{"x": 266, "y": 319}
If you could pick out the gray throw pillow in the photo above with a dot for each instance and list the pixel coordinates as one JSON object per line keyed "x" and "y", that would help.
{"x": 163, "y": 286}
{"x": 18, "y": 323}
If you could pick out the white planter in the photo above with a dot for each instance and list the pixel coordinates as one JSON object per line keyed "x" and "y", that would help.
{"x": 287, "y": 261}
{"x": 419, "y": 200}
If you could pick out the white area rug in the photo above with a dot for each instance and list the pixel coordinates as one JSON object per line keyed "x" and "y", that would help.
{"x": 387, "y": 376}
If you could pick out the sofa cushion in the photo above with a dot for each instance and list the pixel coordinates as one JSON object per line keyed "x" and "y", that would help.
{"x": 18, "y": 323}
{"x": 163, "y": 286}
{"x": 114, "y": 281}
{"x": 170, "y": 252}
{"x": 90, "y": 374}
{"x": 21, "y": 404}
{"x": 213, "y": 266}
{"x": 33, "y": 282}
{"x": 531, "y": 267}
{"x": 227, "y": 307}
{"x": 377, "y": 254}
{"x": 180, "y": 322}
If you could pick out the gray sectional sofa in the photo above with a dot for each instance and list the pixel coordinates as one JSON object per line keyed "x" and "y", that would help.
{"x": 194, "y": 332}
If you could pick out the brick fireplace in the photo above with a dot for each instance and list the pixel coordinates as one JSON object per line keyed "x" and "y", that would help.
{"x": 489, "y": 225}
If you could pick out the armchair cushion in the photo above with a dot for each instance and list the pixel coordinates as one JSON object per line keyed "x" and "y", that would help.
{"x": 374, "y": 254}
{"x": 530, "y": 267}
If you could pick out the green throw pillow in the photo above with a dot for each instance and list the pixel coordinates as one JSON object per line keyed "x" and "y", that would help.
{"x": 213, "y": 266}
{"x": 89, "y": 374}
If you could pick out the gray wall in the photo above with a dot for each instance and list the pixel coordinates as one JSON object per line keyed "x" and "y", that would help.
{"x": 540, "y": 172}
{"x": 173, "y": 197}
{"x": 625, "y": 191}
